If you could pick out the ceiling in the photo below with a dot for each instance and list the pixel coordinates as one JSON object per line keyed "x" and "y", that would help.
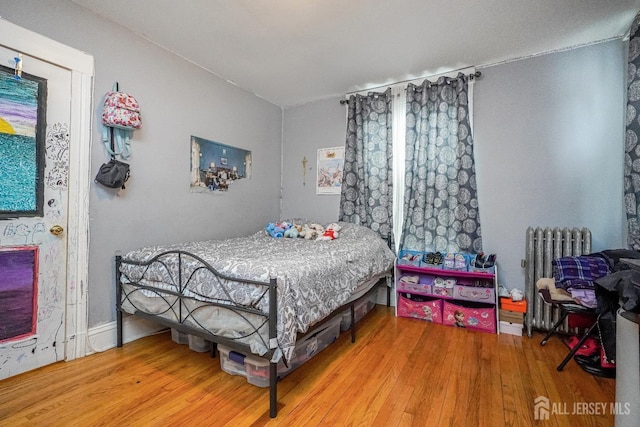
{"x": 291, "y": 52}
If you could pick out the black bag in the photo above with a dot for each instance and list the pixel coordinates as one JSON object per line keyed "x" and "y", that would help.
{"x": 113, "y": 174}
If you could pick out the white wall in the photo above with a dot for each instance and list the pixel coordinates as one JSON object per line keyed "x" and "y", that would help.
{"x": 549, "y": 144}
{"x": 178, "y": 100}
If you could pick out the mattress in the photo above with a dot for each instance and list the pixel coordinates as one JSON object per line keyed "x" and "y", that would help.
{"x": 314, "y": 279}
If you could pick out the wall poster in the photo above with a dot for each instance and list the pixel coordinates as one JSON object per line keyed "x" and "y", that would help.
{"x": 22, "y": 137}
{"x": 330, "y": 168}
{"x": 215, "y": 166}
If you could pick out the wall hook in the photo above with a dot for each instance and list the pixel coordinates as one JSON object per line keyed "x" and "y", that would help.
{"x": 18, "y": 68}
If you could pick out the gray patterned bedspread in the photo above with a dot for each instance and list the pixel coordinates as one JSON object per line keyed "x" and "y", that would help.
{"x": 314, "y": 277}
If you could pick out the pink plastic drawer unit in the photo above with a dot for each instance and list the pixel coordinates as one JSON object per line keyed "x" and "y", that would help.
{"x": 474, "y": 293}
{"x": 415, "y": 284}
{"x": 470, "y": 315}
{"x": 419, "y": 307}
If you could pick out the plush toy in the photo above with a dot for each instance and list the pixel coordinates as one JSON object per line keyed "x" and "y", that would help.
{"x": 275, "y": 230}
{"x": 307, "y": 232}
{"x": 284, "y": 225}
{"x": 313, "y": 231}
{"x": 280, "y": 229}
{"x": 330, "y": 233}
{"x": 293, "y": 231}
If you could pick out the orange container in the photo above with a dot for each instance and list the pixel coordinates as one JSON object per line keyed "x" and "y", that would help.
{"x": 507, "y": 304}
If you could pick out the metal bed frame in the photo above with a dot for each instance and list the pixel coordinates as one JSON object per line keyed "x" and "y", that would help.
{"x": 182, "y": 278}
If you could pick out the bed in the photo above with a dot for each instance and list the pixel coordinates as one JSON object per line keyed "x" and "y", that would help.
{"x": 256, "y": 294}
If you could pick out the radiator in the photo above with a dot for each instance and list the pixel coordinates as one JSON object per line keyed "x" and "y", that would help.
{"x": 542, "y": 246}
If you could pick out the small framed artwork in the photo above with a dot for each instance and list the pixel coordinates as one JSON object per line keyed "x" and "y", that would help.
{"x": 330, "y": 167}
{"x": 215, "y": 166}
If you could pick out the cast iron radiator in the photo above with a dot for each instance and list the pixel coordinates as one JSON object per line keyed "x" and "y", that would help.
{"x": 542, "y": 246}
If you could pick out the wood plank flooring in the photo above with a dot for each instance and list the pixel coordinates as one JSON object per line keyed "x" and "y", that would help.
{"x": 400, "y": 372}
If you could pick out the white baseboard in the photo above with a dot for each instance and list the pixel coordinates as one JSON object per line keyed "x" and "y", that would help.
{"x": 104, "y": 337}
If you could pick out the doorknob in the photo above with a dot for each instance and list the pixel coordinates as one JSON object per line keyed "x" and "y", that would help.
{"x": 56, "y": 230}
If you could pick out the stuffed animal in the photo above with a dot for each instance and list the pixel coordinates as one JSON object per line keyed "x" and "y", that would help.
{"x": 310, "y": 232}
{"x": 314, "y": 231}
{"x": 275, "y": 230}
{"x": 292, "y": 232}
{"x": 330, "y": 233}
{"x": 284, "y": 225}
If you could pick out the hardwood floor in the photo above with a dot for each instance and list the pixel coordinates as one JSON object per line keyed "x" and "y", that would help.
{"x": 400, "y": 372}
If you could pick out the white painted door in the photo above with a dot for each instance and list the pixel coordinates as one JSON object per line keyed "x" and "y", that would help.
{"x": 36, "y": 242}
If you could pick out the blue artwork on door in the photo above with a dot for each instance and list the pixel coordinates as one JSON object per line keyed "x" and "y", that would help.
{"x": 22, "y": 135}
{"x": 18, "y": 292}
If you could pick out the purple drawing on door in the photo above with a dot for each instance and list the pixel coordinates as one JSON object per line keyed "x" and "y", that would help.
{"x": 18, "y": 292}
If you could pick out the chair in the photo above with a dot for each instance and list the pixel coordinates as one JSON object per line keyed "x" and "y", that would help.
{"x": 567, "y": 308}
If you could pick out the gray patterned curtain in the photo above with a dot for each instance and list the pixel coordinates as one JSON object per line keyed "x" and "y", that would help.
{"x": 632, "y": 148}
{"x": 440, "y": 202}
{"x": 367, "y": 197}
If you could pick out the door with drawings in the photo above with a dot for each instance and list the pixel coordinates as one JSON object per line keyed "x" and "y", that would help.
{"x": 35, "y": 113}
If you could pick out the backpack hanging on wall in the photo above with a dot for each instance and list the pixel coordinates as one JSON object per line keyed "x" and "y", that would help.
{"x": 120, "y": 116}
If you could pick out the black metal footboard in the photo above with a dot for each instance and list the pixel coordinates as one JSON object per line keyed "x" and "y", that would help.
{"x": 169, "y": 280}
{"x": 172, "y": 281}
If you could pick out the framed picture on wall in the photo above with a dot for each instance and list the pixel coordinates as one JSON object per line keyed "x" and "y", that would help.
{"x": 215, "y": 166}
{"x": 330, "y": 167}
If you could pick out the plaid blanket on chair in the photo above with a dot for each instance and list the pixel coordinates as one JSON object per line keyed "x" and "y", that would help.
{"x": 578, "y": 272}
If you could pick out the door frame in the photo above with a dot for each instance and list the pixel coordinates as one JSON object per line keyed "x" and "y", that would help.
{"x": 81, "y": 66}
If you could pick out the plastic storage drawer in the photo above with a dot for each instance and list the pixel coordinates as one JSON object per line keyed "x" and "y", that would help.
{"x": 312, "y": 343}
{"x": 199, "y": 344}
{"x": 256, "y": 369}
{"x": 179, "y": 337}
{"x": 361, "y": 308}
{"x": 253, "y": 368}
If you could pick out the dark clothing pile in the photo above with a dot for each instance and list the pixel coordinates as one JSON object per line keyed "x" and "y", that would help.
{"x": 619, "y": 289}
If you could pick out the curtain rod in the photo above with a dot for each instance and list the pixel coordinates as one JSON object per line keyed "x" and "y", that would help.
{"x": 471, "y": 76}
